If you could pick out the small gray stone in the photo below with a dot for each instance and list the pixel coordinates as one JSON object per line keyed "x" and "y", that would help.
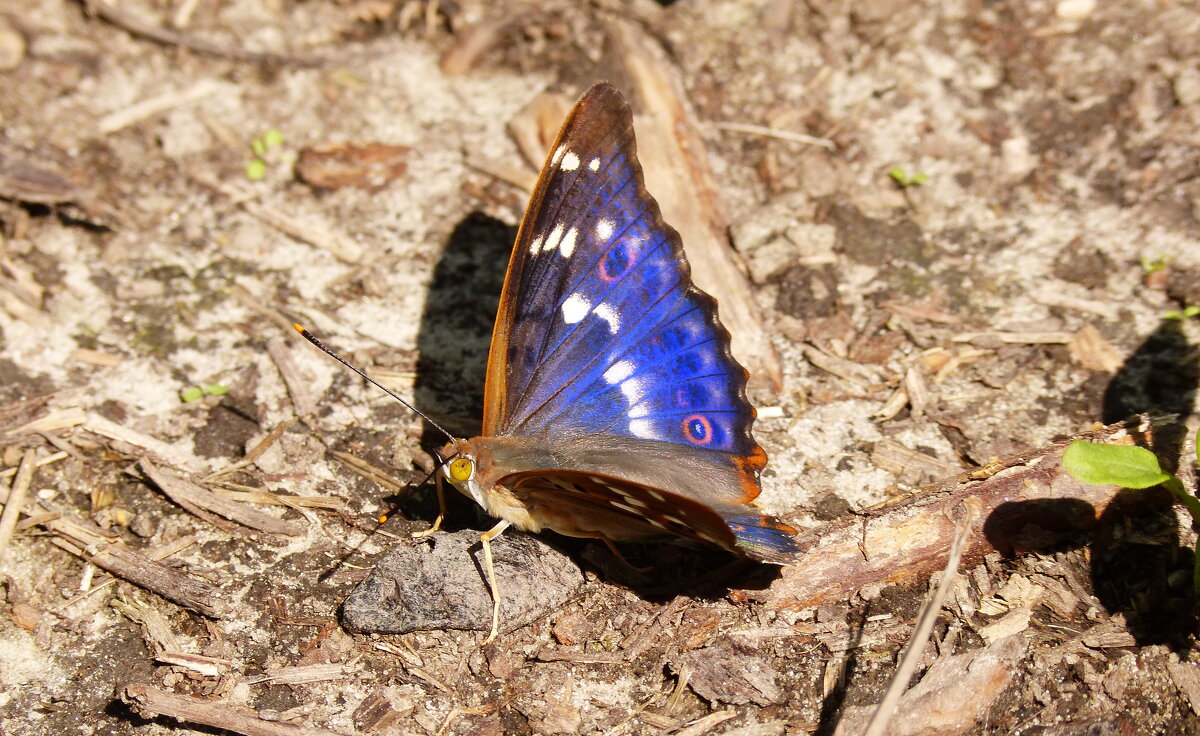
{"x": 439, "y": 583}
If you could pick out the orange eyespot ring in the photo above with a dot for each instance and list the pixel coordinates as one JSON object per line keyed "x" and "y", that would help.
{"x": 461, "y": 469}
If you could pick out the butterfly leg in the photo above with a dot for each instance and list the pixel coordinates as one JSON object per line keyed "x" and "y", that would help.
{"x": 437, "y": 523}
{"x": 490, "y": 570}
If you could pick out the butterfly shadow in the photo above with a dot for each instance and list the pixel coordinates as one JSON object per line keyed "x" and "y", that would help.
{"x": 661, "y": 570}
{"x": 452, "y": 343}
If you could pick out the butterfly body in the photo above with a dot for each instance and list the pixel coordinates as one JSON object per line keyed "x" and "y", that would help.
{"x": 613, "y": 408}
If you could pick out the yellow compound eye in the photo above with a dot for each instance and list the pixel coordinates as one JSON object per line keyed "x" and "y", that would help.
{"x": 461, "y": 469}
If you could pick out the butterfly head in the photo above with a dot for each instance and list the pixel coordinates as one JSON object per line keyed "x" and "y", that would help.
{"x": 461, "y": 467}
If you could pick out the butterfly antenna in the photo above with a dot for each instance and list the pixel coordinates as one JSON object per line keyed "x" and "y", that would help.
{"x": 312, "y": 338}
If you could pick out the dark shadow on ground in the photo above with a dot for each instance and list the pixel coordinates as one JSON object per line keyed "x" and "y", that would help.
{"x": 1160, "y": 377}
{"x": 452, "y": 342}
{"x": 1139, "y": 567}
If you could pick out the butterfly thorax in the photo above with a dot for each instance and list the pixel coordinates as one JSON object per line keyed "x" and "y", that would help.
{"x": 470, "y": 467}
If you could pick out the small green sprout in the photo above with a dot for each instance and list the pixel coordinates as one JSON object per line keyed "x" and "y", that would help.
{"x": 256, "y": 168}
{"x": 1130, "y": 467}
{"x": 904, "y": 179}
{"x": 195, "y": 393}
{"x": 273, "y": 138}
{"x": 1150, "y": 266}
{"x": 1180, "y": 315}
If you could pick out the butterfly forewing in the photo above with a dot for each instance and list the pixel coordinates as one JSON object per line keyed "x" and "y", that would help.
{"x": 600, "y": 329}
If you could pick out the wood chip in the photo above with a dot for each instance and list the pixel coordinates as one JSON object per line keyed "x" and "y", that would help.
{"x": 158, "y": 632}
{"x": 675, "y": 159}
{"x": 1108, "y": 635}
{"x": 999, "y": 337}
{"x": 862, "y": 376}
{"x": 703, "y": 725}
{"x": 471, "y": 45}
{"x": 303, "y": 400}
{"x": 201, "y": 665}
{"x": 1090, "y": 350}
{"x": 52, "y": 422}
{"x": 96, "y": 358}
{"x": 728, "y": 672}
{"x": 307, "y": 673}
{"x": 1013, "y": 622}
{"x": 166, "y": 451}
{"x": 535, "y": 127}
{"x": 14, "y": 501}
{"x": 151, "y": 702}
{"x": 906, "y": 463}
{"x": 1186, "y": 676}
{"x": 370, "y": 166}
{"x": 908, "y": 539}
{"x": 191, "y": 496}
{"x": 156, "y": 105}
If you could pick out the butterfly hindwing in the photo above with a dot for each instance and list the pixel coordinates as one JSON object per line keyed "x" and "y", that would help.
{"x": 600, "y": 329}
{"x": 637, "y": 508}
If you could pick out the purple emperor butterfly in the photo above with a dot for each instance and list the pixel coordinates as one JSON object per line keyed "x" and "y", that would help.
{"x": 613, "y": 408}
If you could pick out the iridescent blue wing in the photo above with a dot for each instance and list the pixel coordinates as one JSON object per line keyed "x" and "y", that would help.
{"x": 600, "y": 329}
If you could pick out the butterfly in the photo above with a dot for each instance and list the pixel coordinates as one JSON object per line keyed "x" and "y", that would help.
{"x": 613, "y": 408}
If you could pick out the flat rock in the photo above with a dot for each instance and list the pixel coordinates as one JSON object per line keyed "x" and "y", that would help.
{"x": 439, "y": 583}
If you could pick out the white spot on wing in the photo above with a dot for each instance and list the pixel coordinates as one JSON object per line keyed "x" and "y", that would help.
{"x": 632, "y": 390}
{"x": 639, "y": 410}
{"x": 535, "y": 245}
{"x": 657, "y": 496}
{"x": 604, "y": 229}
{"x": 558, "y": 154}
{"x": 555, "y": 236}
{"x": 637, "y": 502}
{"x": 642, "y": 428}
{"x": 618, "y": 372}
{"x": 609, "y": 315}
{"x": 594, "y": 164}
{"x": 570, "y": 162}
{"x": 567, "y": 247}
{"x": 575, "y": 308}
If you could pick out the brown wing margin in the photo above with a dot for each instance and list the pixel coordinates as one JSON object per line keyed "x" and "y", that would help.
{"x": 600, "y": 96}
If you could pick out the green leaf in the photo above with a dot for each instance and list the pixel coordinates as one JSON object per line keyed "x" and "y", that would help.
{"x": 1150, "y": 266}
{"x": 214, "y": 389}
{"x": 192, "y": 393}
{"x": 904, "y": 179}
{"x": 259, "y": 146}
{"x": 1119, "y": 465}
{"x": 273, "y": 138}
{"x": 256, "y": 169}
